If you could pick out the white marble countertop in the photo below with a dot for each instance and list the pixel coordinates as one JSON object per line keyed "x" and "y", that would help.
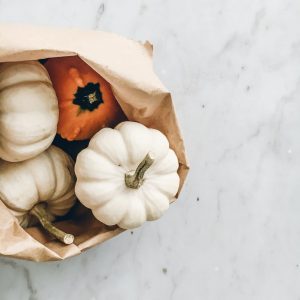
{"x": 234, "y": 234}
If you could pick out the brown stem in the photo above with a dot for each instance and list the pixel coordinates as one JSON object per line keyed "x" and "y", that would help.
{"x": 40, "y": 213}
{"x": 135, "y": 180}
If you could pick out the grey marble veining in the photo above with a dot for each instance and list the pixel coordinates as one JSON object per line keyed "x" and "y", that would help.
{"x": 234, "y": 70}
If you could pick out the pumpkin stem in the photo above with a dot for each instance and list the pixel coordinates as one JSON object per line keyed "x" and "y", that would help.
{"x": 39, "y": 211}
{"x": 135, "y": 180}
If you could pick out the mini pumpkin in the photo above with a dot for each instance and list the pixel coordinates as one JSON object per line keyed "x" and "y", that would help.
{"x": 39, "y": 189}
{"x": 86, "y": 101}
{"x": 28, "y": 110}
{"x": 127, "y": 175}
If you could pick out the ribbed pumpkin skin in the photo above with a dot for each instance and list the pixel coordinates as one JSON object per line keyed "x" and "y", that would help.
{"x": 101, "y": 169}
{"x": 71, "y": 78}
{"x": 28, "y": 110}
{"x": 48, "y": 177}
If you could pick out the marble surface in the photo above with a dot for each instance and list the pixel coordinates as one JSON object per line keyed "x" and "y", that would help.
{"x": 234, "y": 70}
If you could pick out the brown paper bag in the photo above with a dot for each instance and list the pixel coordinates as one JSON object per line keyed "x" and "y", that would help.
{"x": 127, "y": 66}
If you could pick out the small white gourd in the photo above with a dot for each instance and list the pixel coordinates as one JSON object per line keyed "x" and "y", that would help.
{"x": 39, "y": 189}
{"x": 28, "y": 110}
{"x": 127, "y": 175}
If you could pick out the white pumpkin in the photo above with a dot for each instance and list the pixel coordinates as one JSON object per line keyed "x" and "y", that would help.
{"x": 127, "y": 175}
{"x": 39, "y": 188}
{"x": 28, "y": 110}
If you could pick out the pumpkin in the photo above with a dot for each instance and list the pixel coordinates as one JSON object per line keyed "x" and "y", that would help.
{"x": 39, "y": 189}
{"x": 86, "y": 101}
{"x": 28, "y": 110}
{"x": 127, "y": 175}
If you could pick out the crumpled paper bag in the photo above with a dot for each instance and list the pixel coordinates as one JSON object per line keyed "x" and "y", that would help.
{"x": 127, "y": 65}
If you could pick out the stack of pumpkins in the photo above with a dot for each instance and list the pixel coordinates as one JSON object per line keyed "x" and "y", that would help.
{"x": 125, "y": 175}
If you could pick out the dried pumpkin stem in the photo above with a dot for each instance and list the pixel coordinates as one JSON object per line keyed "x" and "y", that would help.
{"x": 40, "y": 213}
{"x": 135, "y": 180}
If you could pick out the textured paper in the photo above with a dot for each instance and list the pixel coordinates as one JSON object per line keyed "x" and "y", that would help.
{"x": 127, "y": 66}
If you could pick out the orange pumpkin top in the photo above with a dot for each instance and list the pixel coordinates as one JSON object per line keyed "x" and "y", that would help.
{"x": 85, "y": 99}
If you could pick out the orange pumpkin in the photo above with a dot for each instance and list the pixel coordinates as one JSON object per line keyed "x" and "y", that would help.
{"x": 86, "y": 101}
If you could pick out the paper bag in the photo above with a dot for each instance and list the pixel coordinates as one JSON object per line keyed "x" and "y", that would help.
{"x": 127, "y": 66}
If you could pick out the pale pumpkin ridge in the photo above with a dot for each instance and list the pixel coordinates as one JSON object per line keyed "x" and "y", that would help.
{"x": 62, "y": 201}
{"x": 5, "y": 149}
{"x": 112, "y": 164}
{"x": 67, "y": 166}
{"x": 126, "y": 146}
{"x": 93, "y": 147}
{"x": 162, "y": 191}
{"x": 129, "y": 208}
{"x": 87, "y": 179}
{"x": 8, "y": 206}
{"x": 163, "y": 171}
{"x": 52, "y": 163}
{"x": 159, "y": 138}
{"x": 22, "y": 83}
{"x": 88, "y": 183}
{"x": 109, "y": 207}
{"x": 61, "y": 206}
{"x": 16, "y": 208}
{"x": 43, "y": 138}
{"x": 36, "y": 66}
{"x": 159, "y": 173}
{"x": 66, "y": 163}
{"x": 118, "y": 189}
{"x": 7, "y": 65}
{"x": 151, "y": 202}
{"x": 43, "y": 156}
